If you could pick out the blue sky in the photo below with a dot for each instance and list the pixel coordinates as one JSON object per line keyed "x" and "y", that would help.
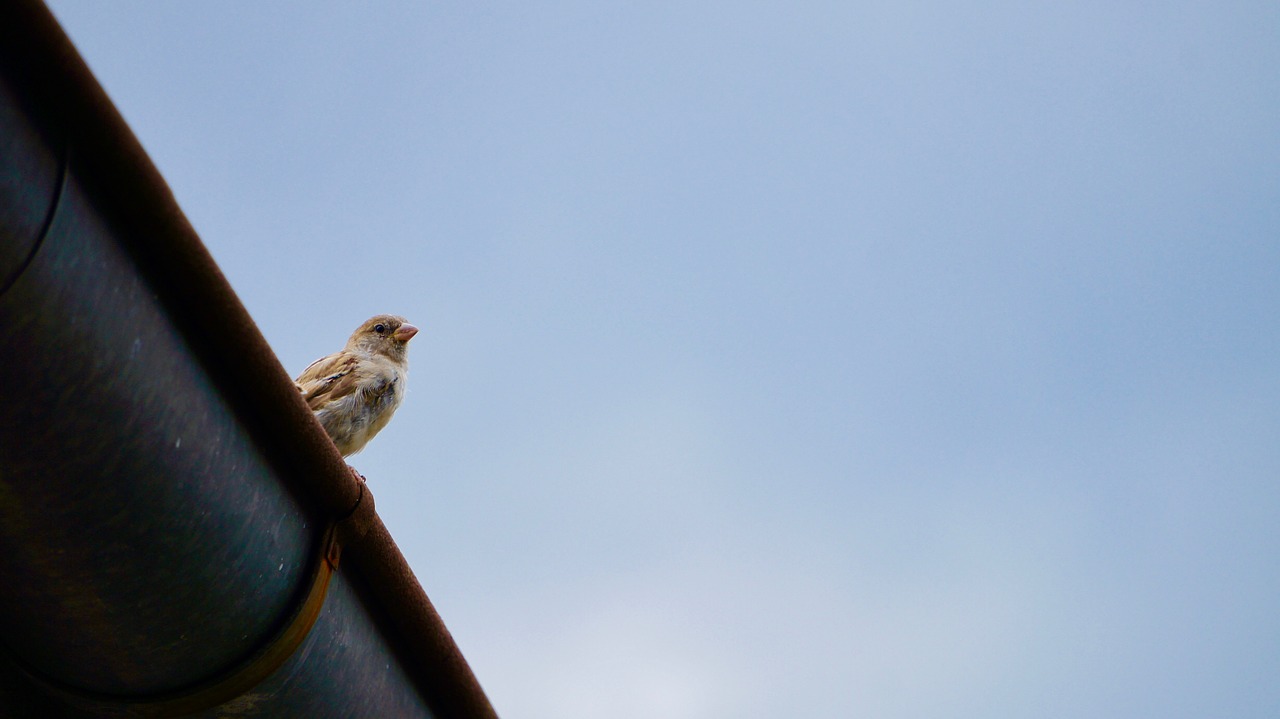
{"x": 891, "y": 359}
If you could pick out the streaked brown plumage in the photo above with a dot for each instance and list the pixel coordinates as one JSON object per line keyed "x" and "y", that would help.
{"x": 355, "y": 391}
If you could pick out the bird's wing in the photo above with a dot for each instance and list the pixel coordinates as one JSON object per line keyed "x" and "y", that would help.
{"x": 328, "y": 378}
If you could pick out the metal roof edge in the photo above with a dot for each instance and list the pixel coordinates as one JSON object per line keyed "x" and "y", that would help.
{"x": 246, "y": 373}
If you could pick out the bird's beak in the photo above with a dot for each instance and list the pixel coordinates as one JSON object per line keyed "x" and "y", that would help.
{"x": 404, "y": 333}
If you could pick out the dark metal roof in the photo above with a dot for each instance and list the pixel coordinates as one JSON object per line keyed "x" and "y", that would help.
{"x": 177, "y": 533}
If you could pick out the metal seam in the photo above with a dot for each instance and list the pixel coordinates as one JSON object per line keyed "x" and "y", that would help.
{"x": 64, "y": 169}
{"x": 235, "y": 682}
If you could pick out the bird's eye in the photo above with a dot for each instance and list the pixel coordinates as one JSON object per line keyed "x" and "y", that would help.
{"x": 379, "y": 328}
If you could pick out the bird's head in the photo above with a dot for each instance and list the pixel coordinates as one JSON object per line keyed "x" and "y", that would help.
{"x": 383, "y": 334}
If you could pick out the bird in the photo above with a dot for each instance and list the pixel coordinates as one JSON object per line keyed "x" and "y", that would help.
{"x": 354, "y": 391}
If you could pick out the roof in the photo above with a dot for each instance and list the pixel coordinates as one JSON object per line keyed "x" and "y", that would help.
{"x": 177, "y": 533}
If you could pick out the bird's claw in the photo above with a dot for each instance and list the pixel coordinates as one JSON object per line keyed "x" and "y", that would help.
{"x": 359, "y": 477}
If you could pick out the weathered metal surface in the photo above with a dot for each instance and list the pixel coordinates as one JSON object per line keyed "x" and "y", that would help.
{"x": 29, "y": 183}
{"x": 147, "y": 542}
{"x": 143, "y": 539}
{"x": 342, "y": 670}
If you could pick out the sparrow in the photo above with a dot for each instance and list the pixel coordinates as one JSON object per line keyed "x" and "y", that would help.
{"x": 355, "y": 391}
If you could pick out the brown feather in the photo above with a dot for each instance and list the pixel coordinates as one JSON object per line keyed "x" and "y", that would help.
{"x": 330, "y": 378}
